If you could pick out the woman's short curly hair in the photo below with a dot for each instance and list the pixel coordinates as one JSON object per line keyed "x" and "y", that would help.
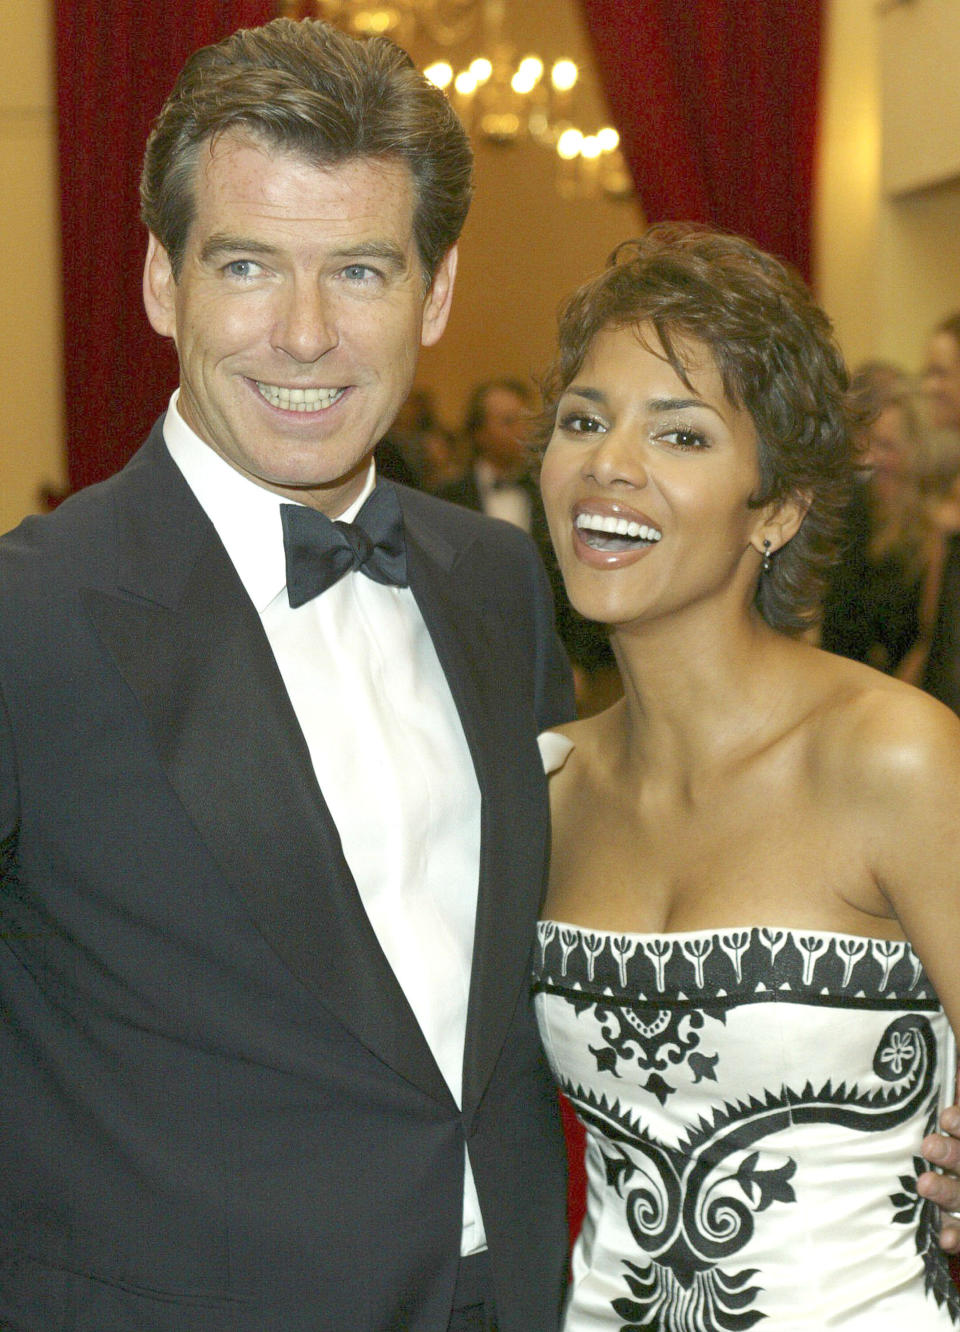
{"x": 774, "y": 349}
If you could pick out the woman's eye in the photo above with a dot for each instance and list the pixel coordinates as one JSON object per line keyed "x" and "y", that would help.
{"x": 685, "y": 439}
{"x": 580, "y": 423}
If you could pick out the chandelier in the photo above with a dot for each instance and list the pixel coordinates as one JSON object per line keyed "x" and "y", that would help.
{"x": 502, "y": 97}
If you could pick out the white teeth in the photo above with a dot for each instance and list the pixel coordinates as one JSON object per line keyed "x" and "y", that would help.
{"x": 299, "y": 399}
{"x": 595, "y": 522}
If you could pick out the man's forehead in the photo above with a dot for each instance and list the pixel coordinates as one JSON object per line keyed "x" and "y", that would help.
{"x": 247, "y": 187}
{"x": 237, "y": 160}
{"x": 237, "y": 145}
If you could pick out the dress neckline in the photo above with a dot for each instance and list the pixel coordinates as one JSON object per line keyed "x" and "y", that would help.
{"x": 551, "y": 923}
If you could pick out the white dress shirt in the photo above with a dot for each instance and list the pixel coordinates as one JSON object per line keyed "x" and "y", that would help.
{"x": 502, "y": 499}
{"x": 387, "y": 748}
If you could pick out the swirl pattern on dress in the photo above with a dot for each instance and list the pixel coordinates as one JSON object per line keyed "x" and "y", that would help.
{"x": 715, "y": 1074}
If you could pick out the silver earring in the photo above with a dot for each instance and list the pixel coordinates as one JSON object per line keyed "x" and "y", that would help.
{"x": 767, "y": 564}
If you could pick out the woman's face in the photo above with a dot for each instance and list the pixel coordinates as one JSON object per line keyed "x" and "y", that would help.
{"x": 886, "y": 451}
{"x": 646, "y": 483}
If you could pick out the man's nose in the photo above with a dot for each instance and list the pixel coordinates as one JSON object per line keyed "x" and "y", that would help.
{"x": 306, "y": 326}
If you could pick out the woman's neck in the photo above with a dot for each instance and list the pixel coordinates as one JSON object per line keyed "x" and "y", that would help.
{"x": 697, "y": 691}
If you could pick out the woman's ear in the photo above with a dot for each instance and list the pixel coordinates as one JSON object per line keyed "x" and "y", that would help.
{"x": 780, "y": 523}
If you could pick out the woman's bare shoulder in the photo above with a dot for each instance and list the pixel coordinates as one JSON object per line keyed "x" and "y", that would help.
{"x": 872, "y": 734}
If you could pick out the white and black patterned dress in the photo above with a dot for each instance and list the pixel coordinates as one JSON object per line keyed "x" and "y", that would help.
{"x": 754, "y": 1101}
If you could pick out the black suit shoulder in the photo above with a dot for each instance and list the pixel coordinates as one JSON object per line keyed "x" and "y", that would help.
{"x": 460, "y": 527}
{"x": 81, "y": 535}
{"x": 499, "y": 566}
{"x": 464, "y": 491}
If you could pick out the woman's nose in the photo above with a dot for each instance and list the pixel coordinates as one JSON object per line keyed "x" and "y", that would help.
{"x": 617, "y": 458}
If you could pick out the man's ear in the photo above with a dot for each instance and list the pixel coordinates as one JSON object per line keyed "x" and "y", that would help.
{"x": 436, "y": 310}
{"x": 160, "y": 289}
{"x": 780, "y": 523}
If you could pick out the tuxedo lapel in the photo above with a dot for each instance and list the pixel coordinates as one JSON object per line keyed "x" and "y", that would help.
{"x": 463, "y": 616}
{"x": 190, "y": 646}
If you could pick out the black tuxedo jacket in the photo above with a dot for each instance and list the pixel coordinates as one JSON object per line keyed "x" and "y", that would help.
{"x": 466, "y": 492}
{"x": 219, "y": 1114}
{"x": 587, "y": 643}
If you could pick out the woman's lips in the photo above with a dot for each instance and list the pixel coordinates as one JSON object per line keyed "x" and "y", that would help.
{"x": 608, "y": 534}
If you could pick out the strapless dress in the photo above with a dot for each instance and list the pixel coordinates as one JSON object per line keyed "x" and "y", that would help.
{"x": 754, "y": 1102}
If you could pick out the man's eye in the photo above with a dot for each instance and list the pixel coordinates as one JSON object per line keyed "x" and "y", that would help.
{"x": 242, "y": 268}
{"x": 360, "y": 273}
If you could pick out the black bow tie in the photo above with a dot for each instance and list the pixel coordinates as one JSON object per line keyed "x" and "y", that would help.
{"x": 320, "y": 551}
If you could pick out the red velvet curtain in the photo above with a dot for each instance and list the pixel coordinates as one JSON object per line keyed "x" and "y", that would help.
{"x": 115, "y": 65}
{"x": 716, "y": 104}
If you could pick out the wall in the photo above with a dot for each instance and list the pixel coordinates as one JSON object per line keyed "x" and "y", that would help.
{"x": 919, "y": 62}
{"x": 31, "y": 411}
{"x": 888, "y": 195}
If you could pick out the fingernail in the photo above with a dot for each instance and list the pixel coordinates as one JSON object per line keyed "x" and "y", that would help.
{"x": 935, "y": 1149}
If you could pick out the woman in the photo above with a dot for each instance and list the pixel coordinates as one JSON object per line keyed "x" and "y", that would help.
{"x": 872, "y": 604}
{"x": 745, "y": 843}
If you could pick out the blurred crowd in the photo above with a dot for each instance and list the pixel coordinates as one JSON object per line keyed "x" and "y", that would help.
{"x": 488, "y": 465}
{"x": 894, "y": 598}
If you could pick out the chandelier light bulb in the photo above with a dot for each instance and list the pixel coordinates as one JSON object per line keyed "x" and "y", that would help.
{"x": 481, "y": 69}
{"x": 609, "y": 139}
{"x": 528, "y": 75}
{"x": 564, "y": 75}
{"x": 376, "y": 22}
{"x": 569, "y": 144}
{"x": 465, "y": 83}
{"x": 440, "y": 74}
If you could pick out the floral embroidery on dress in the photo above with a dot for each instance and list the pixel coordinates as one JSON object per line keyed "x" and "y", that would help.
{"x": 654, "y": 1007}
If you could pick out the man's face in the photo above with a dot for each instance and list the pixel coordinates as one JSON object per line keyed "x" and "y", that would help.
{"x": 941, "y": 380}
{"x": 501, "y": 439}
{"x": 298, "y": 314}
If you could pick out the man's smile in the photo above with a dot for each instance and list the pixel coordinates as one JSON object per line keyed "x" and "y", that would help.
{"x": 298, "y": 399}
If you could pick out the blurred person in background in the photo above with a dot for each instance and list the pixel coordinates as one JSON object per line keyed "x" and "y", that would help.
{"x": 498, "y": 480}
{"x": 872, "y": 604}
{"x": 941, "y": 377}
{"x": 419, "y": 450}
{"x": 502, "y": 482}
{"x": 936, "y": 663}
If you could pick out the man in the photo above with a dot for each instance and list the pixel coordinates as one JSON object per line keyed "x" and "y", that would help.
{"x": 272, "y": 815}
{"x": 941, "y": 378}
{"x": 498, "y": 482}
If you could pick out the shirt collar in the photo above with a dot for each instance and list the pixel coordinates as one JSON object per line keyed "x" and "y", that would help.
{"x": 245, "y": 514}
{"x": 488, "y": 478}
